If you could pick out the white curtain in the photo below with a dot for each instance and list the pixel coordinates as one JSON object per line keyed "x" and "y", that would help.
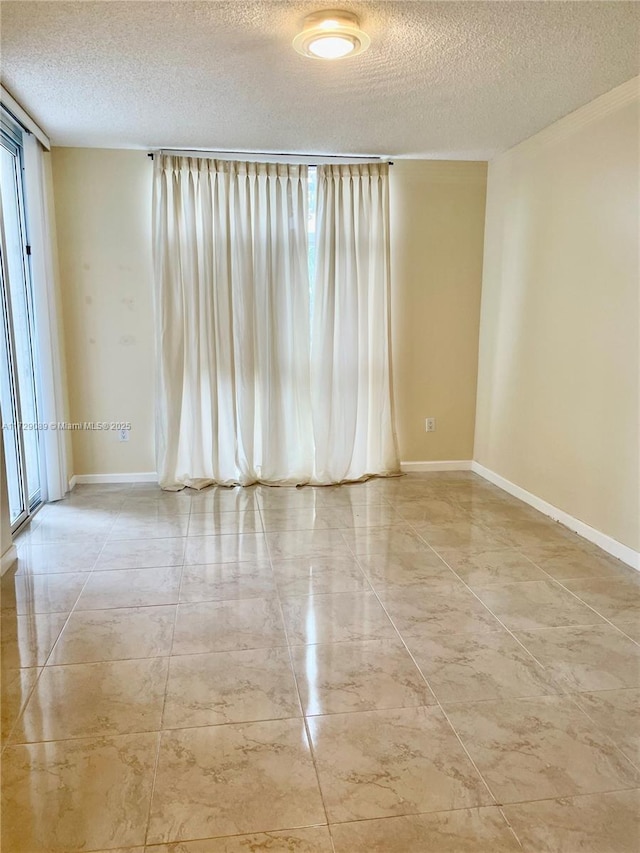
{"x": 232, "y": 304}
{"x": 51, "y": 399}
{"x": 351, "y": 374}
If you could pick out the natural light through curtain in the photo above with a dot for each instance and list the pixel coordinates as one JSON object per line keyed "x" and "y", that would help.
{"x": 233, "y": 313}
{"x": 350, "y": 376}
{"x": 244, "y": 395}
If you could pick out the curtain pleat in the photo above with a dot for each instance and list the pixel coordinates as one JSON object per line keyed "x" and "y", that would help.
{"x": 350, "y": 363}
{"x": 232, "y": 305}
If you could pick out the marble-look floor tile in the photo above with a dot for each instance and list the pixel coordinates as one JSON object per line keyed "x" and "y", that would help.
{"x": 131, "y": 588}
{"x": 582, "y": 561}
{"x": 317, "y": 575}
{"x": 462, "y": 831}
{"x": 498, "y": 513}
{"x": 385, "y": 763}
{"x": 419, "y": 486}
{"x": 597, "y": 657}
{"x": 76, "y": 795}
{"x": 329, "y": 517}
{"x": 411, "y": 568}
{"x": 215, "y": 523}
{"x": 350, "y": 495}
{"x": 94, "y": 489}
{"x": 226, "y": 548}
{"x": 305, "y": 518}
{"x": 533, "y": 532}
{"x": 16, "y": 686}
{"x": 27, "y": 640}
{"x": 63, "y": 516}
{"x": 154, "y": 511}
{"x": 463, "y": 668}
{"x": 615, "y": 598}
{"x": 307, "y": 839}
{"x": 42, "y": 593}
{"x": 149, "y": 528}
{"x": 117, "y": 634}
{"x": 530, "y": 749}
{"x": 232, "y": 671}
{"x": 141, "y": 554}
{"x": 125, "y": 850}
{"x": 485, "y": 566}
{"x": 630, "y": 627}
{"x": 218, "y": 626}
{"x": 292, "y": 544}
{"x": 93, "y": 510}
{"x": 335, "y": 618}
{"x": 430, "y": 511}
{"x": 358, "y": 676}
{"x": 598, "y": 823}
{"x": 57, "y": 557}
{"x": 458, "y": 534}
{"x": 79, "y": 530}
{"x": 284, "y": 499}
{"x": 406, "y": 491}
{"x": 617, "y": 712}
{"x": 224, "y": 499}
{"x": 536, "y": 604}
{"x": 178, "y": 503}
{"x": 441, "y": 608}
{"x": 367, "y": 515}
{"x": 394, "y": 539}
{"x": 86, "y": 503}
{"x": 91, "y": 699}
{"x": 226, "y": 581}
{"x": 230, "y": 687}
{"x": 234, "y": 779}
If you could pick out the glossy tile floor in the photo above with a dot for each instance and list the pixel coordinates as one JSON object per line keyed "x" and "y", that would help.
{"x": 405, "y": 665}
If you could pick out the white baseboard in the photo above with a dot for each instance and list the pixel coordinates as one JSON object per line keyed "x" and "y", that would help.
{"x": 438, "y": 465}
{"x": 93, "y": 479}
{"x": 607, "y": 543}
{"x": 8, "y": 559}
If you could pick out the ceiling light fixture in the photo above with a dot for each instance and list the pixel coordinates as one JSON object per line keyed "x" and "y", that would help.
{"x": 331, "y": 35}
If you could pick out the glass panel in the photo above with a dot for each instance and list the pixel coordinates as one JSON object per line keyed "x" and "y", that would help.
{"x": 9, "y": 417}
{"x": 19, "y": 343}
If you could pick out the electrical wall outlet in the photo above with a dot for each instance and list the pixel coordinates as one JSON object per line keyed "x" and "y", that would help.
{"x": 123, "y": 435}
{"x": 430, "y": 425}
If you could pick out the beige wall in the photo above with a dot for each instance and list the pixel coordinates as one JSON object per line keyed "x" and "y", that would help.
{"x": 103, "y": 216}
{"x": 102, "y": 200}
{"x": 437, "y": 216}
{"x": 559, "y": 359}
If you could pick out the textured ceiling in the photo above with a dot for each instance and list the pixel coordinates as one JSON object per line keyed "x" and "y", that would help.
{"x": 441, "y": 79}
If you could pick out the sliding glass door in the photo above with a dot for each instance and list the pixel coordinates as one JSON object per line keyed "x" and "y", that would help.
{"x": 18, "y": 374}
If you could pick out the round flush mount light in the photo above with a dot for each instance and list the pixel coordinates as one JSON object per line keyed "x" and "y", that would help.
{"x": 331, "y": 35}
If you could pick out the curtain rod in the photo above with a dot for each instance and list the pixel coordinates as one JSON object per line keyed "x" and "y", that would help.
{"x": 186, "y": 152}
{"x": 23, "y": 118}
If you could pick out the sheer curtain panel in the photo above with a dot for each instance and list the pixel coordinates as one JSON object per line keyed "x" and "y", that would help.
{"x": 351, "y": 373}
{"x": 232, "y": 304}
{"x": 52, "y": 393}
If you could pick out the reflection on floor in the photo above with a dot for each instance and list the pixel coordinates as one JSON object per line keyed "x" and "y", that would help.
{"x": 405, "y": 665}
